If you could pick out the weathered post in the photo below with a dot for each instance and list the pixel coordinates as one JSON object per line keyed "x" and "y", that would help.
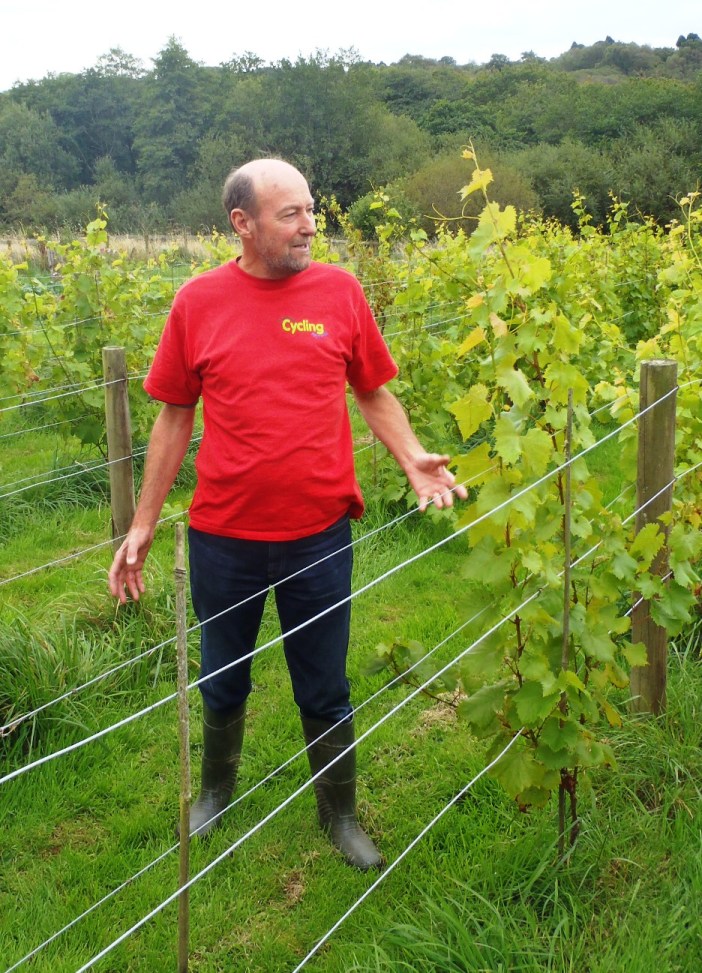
{"x": 656, "y": 459}
{"x": 567, "y": 785}
{"x": 184, "y": 739}
{"x": 119, "y": 442}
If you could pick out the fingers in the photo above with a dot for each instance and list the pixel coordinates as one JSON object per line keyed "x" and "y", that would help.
{"x": 125, "y": 575}
{"x": 439, "y": 484}
{"x": 135, "y": 583}
{"x": 460, "y": 491}
{"x": 439, "y": 499}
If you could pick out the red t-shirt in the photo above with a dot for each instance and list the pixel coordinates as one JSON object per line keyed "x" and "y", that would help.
{"x": 271, "y": 359}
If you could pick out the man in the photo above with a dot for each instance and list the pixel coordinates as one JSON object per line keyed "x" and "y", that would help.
{"x": 270, "y": 342}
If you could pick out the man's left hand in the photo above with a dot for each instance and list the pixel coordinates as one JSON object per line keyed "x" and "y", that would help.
{"x": 432, "y": 481}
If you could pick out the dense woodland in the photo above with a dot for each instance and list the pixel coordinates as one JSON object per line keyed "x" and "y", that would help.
{"x": 153, "y": 146}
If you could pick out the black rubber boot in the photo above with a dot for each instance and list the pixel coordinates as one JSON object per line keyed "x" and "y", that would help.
{"x": 336, "y": 791}
{"x": 222, "y": 737}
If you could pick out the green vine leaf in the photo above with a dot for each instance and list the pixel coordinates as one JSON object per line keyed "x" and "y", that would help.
{"x": 472, "y": 410}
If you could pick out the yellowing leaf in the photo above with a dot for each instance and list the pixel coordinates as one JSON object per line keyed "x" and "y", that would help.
{"x": 499, "y": 326}
{"x": 636, "y": 654}
{"x": 647, "y": 544}
{"x": 531, "y": 271}
{"x": 475, "y": 300}
{"x": 471, "y": 410}
{"x": 474, "y": 338}
{"x": 493, "y": 224}
{"x": 648, "y": 350}
{"x": 561, "y": 376}
{"x": 611, "y": 714}
{"x": 480, "y": 180}
{"x": 474, "y": 467}
{"x": 566, "y": 338}
{"x": 568, "y": 678}
{"x": 505, "y": 221}
{"x": 538, "y": 450}
{"x": 479, "y": 528}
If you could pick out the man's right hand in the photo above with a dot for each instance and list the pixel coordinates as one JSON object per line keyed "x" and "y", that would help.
{"x": 167, "y": 446}
{"x": 126, "y": 572}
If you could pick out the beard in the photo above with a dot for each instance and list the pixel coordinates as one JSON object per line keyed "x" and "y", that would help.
{"x": 284, "y": 261}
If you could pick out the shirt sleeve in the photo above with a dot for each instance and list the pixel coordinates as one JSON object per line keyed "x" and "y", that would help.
{"x": 371, "y": 364}
{"x": 170, "y": 378}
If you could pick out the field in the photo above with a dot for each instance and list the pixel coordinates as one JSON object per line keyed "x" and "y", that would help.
{"x": 486, "y": 888}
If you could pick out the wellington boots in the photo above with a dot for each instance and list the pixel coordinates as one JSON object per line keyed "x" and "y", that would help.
{"x": 336, "y": 791}
{"x": 222, "y": 737}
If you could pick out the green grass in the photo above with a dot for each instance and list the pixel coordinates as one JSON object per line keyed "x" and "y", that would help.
{"x": 628, "y": 899}
{"x": 482, "y": 891}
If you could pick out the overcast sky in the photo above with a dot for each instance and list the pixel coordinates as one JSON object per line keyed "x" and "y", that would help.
{"x": 38, "y": 36}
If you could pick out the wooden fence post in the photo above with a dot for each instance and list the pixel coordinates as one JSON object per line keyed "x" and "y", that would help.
{"x": 184, "y": 739}
{"x": 656, "y": 459}
{"x": 119, "y": 442}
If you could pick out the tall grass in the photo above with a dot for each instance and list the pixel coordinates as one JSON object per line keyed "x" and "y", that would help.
{"x": 627, "y": 899}
{"x": 483, "y": 891}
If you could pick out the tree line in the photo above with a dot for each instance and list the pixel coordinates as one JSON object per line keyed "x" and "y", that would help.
{"x": 153, "y": 146}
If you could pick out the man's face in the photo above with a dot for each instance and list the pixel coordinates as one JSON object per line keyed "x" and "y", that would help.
{"x": 281, "y": 231}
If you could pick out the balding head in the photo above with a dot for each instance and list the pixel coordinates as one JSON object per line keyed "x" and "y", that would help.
{"x": 270, "y": 208}
{"x": 245, "y": 185}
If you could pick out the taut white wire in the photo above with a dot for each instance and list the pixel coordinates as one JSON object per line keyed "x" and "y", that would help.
{"x": 407, "y": 850}
{"x": 76, "y": 554}
{"x": 347, "y": 599}
{"x": 241, "y": 797}
{"x": 66, "y": 476}
{"x": 48, "y": 425}
{"x": 62, "y": 395}
{"x": 303, "y": 787}
{"x": 134, "y": 659}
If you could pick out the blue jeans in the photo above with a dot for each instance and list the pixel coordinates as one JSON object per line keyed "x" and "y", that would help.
{"x": 225, "y": 571}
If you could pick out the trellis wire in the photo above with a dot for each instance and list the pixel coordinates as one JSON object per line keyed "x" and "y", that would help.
{"x": 679, "y": 476}
{"x": 343, "y": 601}
{"x": 84, "y": 470}
{"x": 77, "y": 554}
{"x": 48, "y": 425}
{"x": 241, "y": 797}
{"x": 72, "y": 389}
{"x": 60, "y": 395}
{"x": 84, "y": 467}
{"x": 415, "y": 841}
{"x": 303, "y": 787}
{"x": 94, "y": 319}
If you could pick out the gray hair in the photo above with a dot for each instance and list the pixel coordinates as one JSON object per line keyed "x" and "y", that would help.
{"x": 239, "y": 192}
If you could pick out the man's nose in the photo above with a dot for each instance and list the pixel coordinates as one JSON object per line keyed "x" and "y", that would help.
{"x": 308, "y": 226}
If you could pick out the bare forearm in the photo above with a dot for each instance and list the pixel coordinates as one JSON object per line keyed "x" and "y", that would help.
{"x": 168, "y": 444}
{"x": 387, "y": 420}
{"x": 426, "y": 472}
{"x": 169, "y": 441}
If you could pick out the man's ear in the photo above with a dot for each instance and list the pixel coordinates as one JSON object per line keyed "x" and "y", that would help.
{"x": 241, "y": 222}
